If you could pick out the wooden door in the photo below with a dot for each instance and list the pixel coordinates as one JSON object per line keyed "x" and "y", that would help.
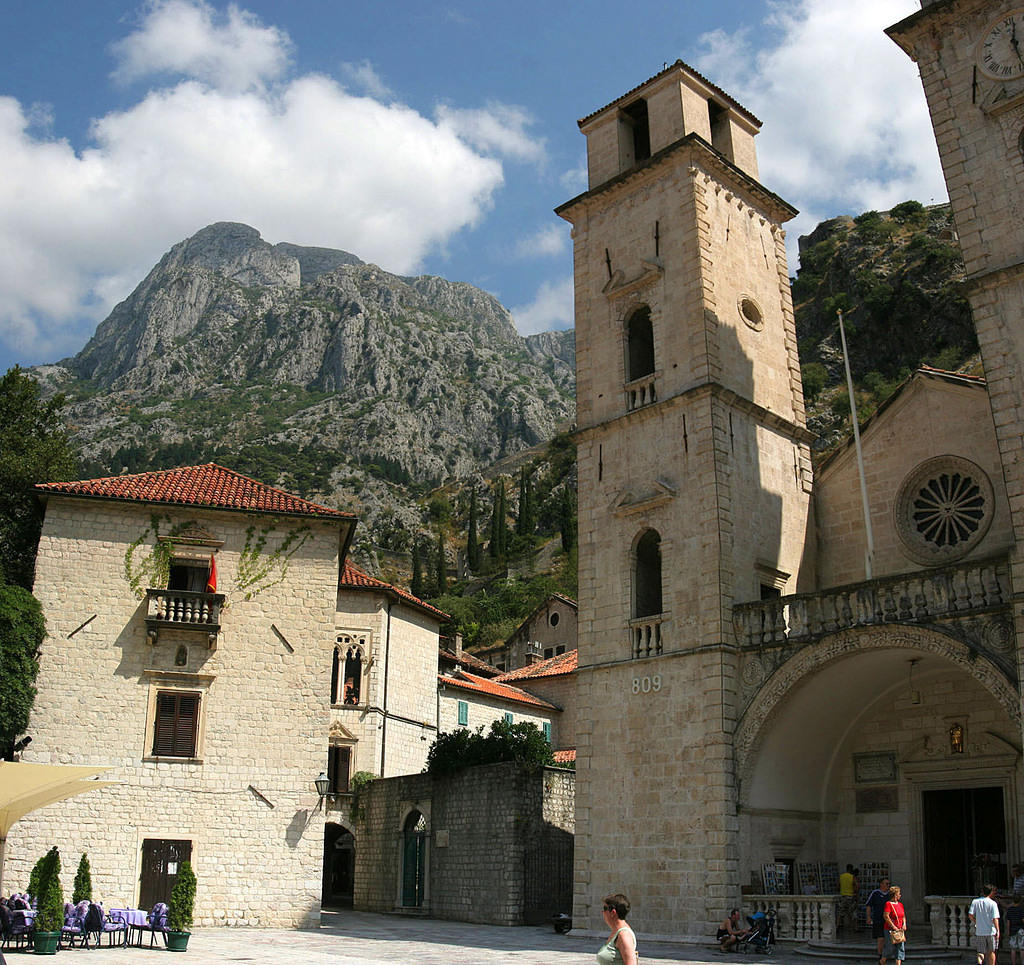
{"x": 161, "y": 859}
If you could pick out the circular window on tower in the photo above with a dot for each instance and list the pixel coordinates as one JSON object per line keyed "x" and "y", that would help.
{"x": 553, "y": 619}
{"x": 943, "y": 509}
{"x": 751, "y": 312}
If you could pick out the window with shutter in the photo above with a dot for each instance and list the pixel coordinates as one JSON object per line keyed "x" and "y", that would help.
{"x": 176, "y": 725}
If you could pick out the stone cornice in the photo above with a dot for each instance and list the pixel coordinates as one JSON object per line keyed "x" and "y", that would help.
{"x": 700, "y": 151}
{"x": 994, "y": 277}
{"x": 785, "y": 427}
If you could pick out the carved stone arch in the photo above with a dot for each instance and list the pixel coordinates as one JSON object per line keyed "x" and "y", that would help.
{"x": 757, "y": 718}
{"x": 342, "y": 823}
{"x": 423, "y": 807}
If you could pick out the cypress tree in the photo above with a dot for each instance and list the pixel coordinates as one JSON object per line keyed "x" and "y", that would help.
{"x": 567, "y": 519}
{"x": 525, "y": 521}
{"x": 441, "y": 568}
{"x": 472, "y": 544}
{"x": 82, "y": 890}
{"x": 493, "y": 542}
{"x": 501, "y": 522}
{"x": 417, "y": 570}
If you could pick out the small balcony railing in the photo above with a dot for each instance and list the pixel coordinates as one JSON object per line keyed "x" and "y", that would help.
{"x": 641, "y": 392}
{"x": 183, "y": 610}
{"x": 645, "y": 636}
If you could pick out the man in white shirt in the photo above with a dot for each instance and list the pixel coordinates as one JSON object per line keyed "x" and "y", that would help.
{"x": 984, "y": 913}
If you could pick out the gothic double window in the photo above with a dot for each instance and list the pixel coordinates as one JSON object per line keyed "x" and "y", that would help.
{"x": 347, "y": 671}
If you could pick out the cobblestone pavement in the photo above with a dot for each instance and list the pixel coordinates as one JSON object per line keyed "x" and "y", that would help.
{"x": 359, "y": 938}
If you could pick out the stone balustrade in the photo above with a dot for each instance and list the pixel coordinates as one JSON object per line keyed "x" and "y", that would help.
{"x": 950, "y": 925}
{"x": 942, "y": 592}
{"x": 183, "y": 610}
{"x": 645, "y": 636}
{"x": 641, "y": 392}
{"x": 798, "y": 918}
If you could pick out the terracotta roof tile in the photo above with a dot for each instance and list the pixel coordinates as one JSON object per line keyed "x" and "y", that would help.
{"x": 564, "y": 663}
{"x": 565, "y": 757}
{"x": 209, "y": 486}
{"x": 354, "y": 578}
{"x": 466, "y": 659}
{"x": 491, "y": 688}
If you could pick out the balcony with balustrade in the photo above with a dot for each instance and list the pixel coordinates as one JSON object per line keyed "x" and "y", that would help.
{"x": 183, "y": 610}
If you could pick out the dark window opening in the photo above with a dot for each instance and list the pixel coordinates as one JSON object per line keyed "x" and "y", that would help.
{"x": 770, "y": 592}
{"x": 339, "y": 763}
{"x": 353, "y": 675}
{"x": 637, "y": 115}
{"x": 719, "y": 118}
{"x": 176, "y": 726}
{"x": 640, "y": 338}
{"x": 187, "y": 576}
{"x": 553, "y": 619}
{"x": 647, "y": 583}
{"x": 335, "y": 674}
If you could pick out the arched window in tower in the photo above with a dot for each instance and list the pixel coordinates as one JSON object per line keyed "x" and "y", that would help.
{"x": 645, "y": 627}
{"x": 640, "y": 358}
{"x": 647, "y": 575}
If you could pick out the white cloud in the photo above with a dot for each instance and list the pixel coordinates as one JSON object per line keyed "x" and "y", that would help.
{"x": 301, "y": 160}
{"x": 546, "y": 241}
{"x": 189, "y": 38}
{"x": 846, "y": 127}
{"x": 575, "y": 179}
{"x": 551, "y": 309}
{"x": 365, "y": 78}
{"x": 498, "y": 128}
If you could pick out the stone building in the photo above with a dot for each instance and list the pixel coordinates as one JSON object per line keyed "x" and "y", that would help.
{"x": 763, "y": 705}
{"x": 553, "y": 680}
{"x": 208, "y": 640}
{"x": 548, "y": 631}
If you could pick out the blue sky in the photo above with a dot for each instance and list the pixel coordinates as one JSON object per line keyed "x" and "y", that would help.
{"x": 424, "y": 137}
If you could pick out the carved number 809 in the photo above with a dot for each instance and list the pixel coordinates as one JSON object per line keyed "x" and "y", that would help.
{"x": 647, "y": 685}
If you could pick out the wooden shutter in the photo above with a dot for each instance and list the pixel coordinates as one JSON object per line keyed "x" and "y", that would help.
{"x": 177, "y": 724}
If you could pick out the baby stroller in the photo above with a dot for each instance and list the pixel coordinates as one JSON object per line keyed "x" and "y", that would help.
{"x": 761, "y": 936}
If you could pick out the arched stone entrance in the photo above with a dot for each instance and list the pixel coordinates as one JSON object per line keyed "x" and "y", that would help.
{"x": 892, "y": 744}
{"x": 339, "y": 866}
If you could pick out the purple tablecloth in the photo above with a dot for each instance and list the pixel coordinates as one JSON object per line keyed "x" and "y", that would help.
{"x": 135, "y": 917}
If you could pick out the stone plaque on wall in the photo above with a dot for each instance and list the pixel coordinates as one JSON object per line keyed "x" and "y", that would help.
{"x": 875, "y": 768}
{"x": 873, "y": 799}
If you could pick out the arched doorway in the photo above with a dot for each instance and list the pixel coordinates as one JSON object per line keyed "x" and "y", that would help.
{"x": 414, "y": 860}
{"x": 895, "y": 747}
{"x": 339, "y": 867}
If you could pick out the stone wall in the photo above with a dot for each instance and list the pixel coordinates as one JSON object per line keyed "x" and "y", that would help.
{"x": 483, "y": 826}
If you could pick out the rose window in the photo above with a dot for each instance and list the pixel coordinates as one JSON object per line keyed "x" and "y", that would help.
{"x": 944, "y": 509}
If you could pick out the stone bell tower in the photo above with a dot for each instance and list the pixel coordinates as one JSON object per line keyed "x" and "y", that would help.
{"x": 694, "y": 486}
{"x": 971, "y": 57}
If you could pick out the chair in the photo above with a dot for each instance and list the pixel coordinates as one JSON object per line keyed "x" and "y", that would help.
{"x": 98, "y": 924}
{"x": 74, "y": 926}
{"x": 14, "y": 928}
{"x": 156, "y": 924}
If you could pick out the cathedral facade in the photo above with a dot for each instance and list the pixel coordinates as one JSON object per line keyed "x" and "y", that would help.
{"x": 758, "y": 701}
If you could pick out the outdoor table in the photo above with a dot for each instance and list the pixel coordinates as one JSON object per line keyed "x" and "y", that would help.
{"x": 134, "y": 918}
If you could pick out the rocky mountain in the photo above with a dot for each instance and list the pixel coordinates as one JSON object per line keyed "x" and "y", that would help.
{"x": 312, "y": 370}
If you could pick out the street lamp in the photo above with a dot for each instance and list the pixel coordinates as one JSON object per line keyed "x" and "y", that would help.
{"x": 321, "y": 784}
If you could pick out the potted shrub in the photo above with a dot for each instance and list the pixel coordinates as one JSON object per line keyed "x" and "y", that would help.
{"x": 50, "y": 907}
{"x": 180, "y": 907}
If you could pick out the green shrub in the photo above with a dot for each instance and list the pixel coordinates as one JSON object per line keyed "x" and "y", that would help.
{"x": 183, "y": 899}
{"x": 815, "y": 377}
{"x": 50, "y": 904}
{"x": 458, "y": 749}
{"x": 82, "y": 890}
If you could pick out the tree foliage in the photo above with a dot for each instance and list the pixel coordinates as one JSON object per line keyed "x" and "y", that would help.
{"x": 183, "y": 898}
{"x": 34, "y": 448}
{"x": 472, "y": 537}
{"x": 22, "y": 629}
{"x": 522, "y": 743}
{"x": 50, "y": 906}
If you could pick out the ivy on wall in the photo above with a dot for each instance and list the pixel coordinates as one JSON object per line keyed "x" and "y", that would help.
{"x": 258, "y": 569}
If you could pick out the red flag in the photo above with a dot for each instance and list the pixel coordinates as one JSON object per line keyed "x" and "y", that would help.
{"x": 211, "y": 583}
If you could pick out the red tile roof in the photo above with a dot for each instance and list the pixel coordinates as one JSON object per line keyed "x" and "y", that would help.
{"x": 565, "y": 757}
{"x": 564, "y": 663}
{"x": 466, "y": 659}
{"x": 354, "y": 578}
{"x": 209, "y": 486}
{"x": 491, "y": 688}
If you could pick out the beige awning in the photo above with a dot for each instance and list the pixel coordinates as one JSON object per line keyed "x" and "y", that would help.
{"x": 27, "y": 787}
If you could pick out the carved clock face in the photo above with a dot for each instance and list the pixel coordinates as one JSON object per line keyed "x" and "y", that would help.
{"x": 1001, "y": 54}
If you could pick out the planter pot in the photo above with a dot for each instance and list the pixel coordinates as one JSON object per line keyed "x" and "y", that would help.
{"x": 45, "y": 942}
{"x": 177, "y": 941}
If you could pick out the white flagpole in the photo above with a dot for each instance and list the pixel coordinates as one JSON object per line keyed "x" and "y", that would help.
{"x": 869, "y": 553}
